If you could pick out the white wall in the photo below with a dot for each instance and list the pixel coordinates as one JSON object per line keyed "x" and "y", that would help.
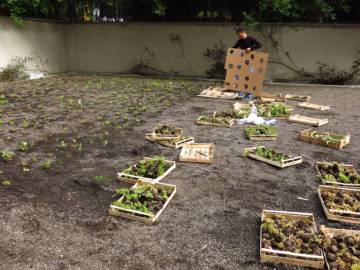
{"x": 45, "y": 39}
{"x": 175, "y": 48}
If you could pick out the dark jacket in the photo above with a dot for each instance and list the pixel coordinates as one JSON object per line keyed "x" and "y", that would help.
{"x": 248, "y": 42}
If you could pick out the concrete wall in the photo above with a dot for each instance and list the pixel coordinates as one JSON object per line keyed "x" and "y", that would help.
{"x": 174, "y": 48}
{"x": 43, "y": 39}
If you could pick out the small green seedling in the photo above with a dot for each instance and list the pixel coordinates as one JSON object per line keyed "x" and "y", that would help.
{"x": 46, "y": 165}
{"x": 24, "y": 146}
{"x": 101, "y": 179}
{"x": 7, "y": 155}
{"x": 7, "y": 183}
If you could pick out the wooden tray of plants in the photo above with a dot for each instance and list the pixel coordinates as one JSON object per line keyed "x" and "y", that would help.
{"x": 217, "y": 92}
{"x": 142, "y": 202}
{"x": 216, "y": 121}
{"x": 297, "y": 97}
{"x": 271, "y": 156}
{"x": 312, "y": 106}
{"x": 277, "y": 110}
{"x": 341, "y": 248}
{"x": 231, "y": 114}
{"x": 316, "y": 122}
{"x": 197, "y": 152}
{"x": 332, "y": 140}
{"x": 333, "y": 173}
{"x": 261, "y": 133}
{"x": 290, "y": 238}
{"x": 148, "y": 170}
{"x": 165, "y": 132}
{"x": 172, "y": 143}
{"x": 340, "y": 204}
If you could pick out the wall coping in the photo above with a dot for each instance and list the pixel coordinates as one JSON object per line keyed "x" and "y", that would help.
{"x": 335, "y": 25}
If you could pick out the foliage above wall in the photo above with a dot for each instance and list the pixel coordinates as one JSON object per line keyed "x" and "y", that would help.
{"x": 184, "y": 10}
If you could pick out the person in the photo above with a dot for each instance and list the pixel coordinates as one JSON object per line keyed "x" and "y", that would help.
{"x": 248, "y": 44}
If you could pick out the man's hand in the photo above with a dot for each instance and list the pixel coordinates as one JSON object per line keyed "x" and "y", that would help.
{"x": 248, "y": 49}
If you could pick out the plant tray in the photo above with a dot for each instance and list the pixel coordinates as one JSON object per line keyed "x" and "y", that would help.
{"x": 238, "y": 106}
{"x": 217, "y": 92}
{"x": 339, "y": 215}
{"x": 287, "y": 257}
{"x": 197, "y": 152}
{"x": 346, "y": 166}
{"x": 242, "y": 107}
{"x": 249, "y": 152}
{"x": 129, "y": 178}
{"x": 140, "y": 216}
{"x": 306, "y": 137}
{"x": 297, "y": 98}
{"x": 170, "y": 143}
{"x": 158, "y": 136}
{"x": 262, "y": 137}
{"x": 312, "y": 106}
{"x": 203, "y": 122}
{"x": 297, "y": 118}
{"x": 330, "y": 232}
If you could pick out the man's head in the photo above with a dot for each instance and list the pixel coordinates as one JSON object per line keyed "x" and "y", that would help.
{"x": 241, "y": 33}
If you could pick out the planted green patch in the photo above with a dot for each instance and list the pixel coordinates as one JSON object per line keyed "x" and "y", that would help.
{"x": 273, "y": 110}
{"x": 46, "y": 165}
{"x": 24, "y": 146}
{"x": 145, "y": 198}
{"x": 215, "y": 120}
{"x": 7, "y": 183}
{"x": 261, "y": 130}
{"x": 149, "y": 168}
{"x": 335, "y": 172}
{"x": 270, "y": 154}
{"x": 327, "y": 137}
{"x": 7, "y": 155}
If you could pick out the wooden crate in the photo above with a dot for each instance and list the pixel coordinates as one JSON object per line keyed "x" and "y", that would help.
{"x": 140, "y": 216}
{"x": 168, "y": 143}
{"x": 241, "y": 106}
{"x": 134, "y": 178}
{"x": 197, "y": 152}
{"x": 261, "y": 137}
{"x": 238, "y": 106}
{"x": 157, "y": 136}
{"x": 346, "y": 166}
{"x": 297, "y": 97}
{"x": 330, "y": 233}
{"x": 286, "y": 257}
{"x": 217, "y": 92}
{"x": 339, "y": 215}
{"x": 312, "y": 106}
{"x": 249, "y": 152}
{"x": 202, "y": 122}
{"x": 306, "y": 137}
{"x": 297, "y": 118}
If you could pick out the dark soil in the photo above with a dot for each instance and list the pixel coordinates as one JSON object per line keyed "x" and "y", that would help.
{"x": 95, "y": 126}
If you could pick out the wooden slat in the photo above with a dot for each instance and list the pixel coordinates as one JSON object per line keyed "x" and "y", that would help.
{"x": 313, "y": 106}
{"x": 217, "y": 92}
{"x": 297, "y": 97}
{"x": 297, "y": 118}
{"x": 167, "y": 143}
